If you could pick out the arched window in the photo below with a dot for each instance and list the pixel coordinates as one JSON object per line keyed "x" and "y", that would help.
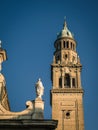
{"x": 71, "y": 45}
{"x": 73, "y": 82}
{"x": 67, "y": 81}
{"x": 64, "y": 44}
{"x": 67, "y": 44}
{"x": 60, "y": 82}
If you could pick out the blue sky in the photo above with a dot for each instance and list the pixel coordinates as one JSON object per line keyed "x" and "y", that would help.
{"x": 28, "y": 29}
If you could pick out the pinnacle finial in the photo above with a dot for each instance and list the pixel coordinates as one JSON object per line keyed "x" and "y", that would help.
{"x": 64, "y": 25}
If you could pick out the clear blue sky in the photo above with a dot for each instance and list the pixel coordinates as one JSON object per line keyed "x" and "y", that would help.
{"x": 28, "y": 29}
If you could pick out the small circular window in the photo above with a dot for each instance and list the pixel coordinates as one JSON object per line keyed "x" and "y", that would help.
{"x": 67, "y": 115}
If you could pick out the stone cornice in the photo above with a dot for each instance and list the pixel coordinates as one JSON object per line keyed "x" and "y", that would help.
{"x": 67, "y": 90}
{"x": 67, "y": 65}
{"x": 28, "y": 124}
{"x": 64, "y": 38}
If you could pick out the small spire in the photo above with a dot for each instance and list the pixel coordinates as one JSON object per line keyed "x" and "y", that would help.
{"x": 65, "y": 24}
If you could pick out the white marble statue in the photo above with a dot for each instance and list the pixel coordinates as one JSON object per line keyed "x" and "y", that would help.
{"x": 39, "y": 89}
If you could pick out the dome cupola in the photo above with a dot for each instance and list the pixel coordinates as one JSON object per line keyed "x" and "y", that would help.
{"x": 65, "y": 32}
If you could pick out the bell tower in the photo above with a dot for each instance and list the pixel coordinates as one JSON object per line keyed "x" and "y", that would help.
{"x": 66, "y": 92}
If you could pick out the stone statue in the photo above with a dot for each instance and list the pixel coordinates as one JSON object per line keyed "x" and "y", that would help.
{"x": 39, "y": 89}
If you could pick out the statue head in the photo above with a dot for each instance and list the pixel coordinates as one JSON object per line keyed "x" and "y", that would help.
{"x": 39, "y": 88}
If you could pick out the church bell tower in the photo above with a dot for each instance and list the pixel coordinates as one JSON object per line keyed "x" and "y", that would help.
{"x": 66, "y": 92}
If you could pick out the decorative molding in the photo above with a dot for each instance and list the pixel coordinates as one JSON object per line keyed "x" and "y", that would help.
{"x": 67, "y": 90}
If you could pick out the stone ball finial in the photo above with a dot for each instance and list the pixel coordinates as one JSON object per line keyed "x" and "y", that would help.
{"x": 39, "y": 88}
